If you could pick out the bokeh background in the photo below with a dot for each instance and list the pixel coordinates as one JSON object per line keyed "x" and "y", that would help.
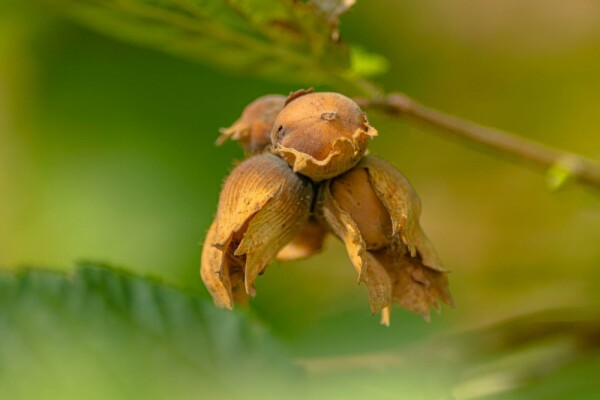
{"x": 107, "y": 154}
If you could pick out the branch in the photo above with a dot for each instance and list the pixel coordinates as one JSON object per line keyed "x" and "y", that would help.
{"x": 561, "y": 165}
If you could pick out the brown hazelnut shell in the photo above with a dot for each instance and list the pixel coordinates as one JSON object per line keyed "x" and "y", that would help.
{"x": 321, "y": 135}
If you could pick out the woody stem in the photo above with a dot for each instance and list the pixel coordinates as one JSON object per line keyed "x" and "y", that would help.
{"x": 514, "y": 147}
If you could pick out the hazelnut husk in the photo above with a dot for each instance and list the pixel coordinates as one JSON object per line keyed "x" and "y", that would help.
{"x": 321, "y": 135}
{"x": 308, "y": 242}
{"x": 262, "y": 207}
{"x": 375, "y": 211}
{"x": 253, "y": 129}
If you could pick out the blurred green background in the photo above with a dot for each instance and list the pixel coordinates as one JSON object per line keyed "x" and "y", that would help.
{"x": 107, "y": 153}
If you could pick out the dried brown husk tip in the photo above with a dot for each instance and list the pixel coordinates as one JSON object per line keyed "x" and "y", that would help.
{"x": 375, "y": 211}
{"x": 253, "y": 129}
{"x": 262, "y": 207}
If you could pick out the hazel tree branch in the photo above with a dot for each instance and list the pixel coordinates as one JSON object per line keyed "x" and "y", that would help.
{"x": 560, "y": 165}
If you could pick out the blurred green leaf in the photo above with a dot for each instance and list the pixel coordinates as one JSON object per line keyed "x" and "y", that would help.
{"x": 284, "y": 40}
{"x": 517, "y": 358}
{"x": 102, "y": 334}
{"x": 367, "y": 64}
{"x": 533, "y": 356}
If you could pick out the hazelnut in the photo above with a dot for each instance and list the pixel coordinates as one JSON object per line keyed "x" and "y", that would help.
{"x": 266, "y": 209}
{"x": 321, "y": 135}
{"x": 354, "y": 194}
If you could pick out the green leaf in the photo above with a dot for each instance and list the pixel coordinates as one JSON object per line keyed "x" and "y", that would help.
{"x": 367, "y": 64}
{"x": 536, "y": 356}
{"x": 102, "y": 334}
{"x": 285, "y": 40}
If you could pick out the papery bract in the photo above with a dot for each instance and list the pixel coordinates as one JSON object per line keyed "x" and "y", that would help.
{"x": 262, "y": 207}
{"x": 375, "y": 211}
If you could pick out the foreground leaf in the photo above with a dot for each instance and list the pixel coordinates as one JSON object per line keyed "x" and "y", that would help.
{"x": 277, "y": 39}
{"x": 551, "y": 354}
{"x": 101, "y": 334}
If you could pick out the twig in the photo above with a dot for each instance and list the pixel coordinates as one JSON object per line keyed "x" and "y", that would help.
{"x": 558, "y": 162}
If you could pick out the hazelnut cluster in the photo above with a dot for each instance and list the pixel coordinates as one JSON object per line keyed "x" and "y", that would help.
{"x": 307, "y": 174}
